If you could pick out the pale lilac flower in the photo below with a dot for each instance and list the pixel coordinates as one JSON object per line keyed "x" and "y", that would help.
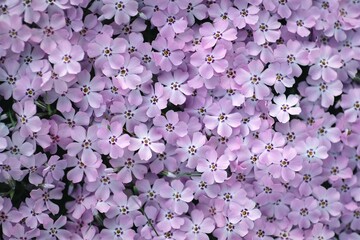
{"x": 83, "y": 166}
{"x": 28, "y": 123}
{"x": 170, "y": 127}
{"x": 266, "y": 29}
{"x": 175, "y": 86}
{"x": 302, "y": 20}
{"x": 209, "y": 61}
{"x": 53, "y": 230}
{"x": 244, "y": 14}
{"x": 106, "y": 49}
{"x": 311, "y": 150}
{"x": 13, "y": 34}
{"x": 177, "y": 196}
{"x": 66, "y": 58}
{"x": 217, "y": 33}
{"x": 326, "y": 62}
{"x": 213, "y": 169}
{"x": 122, "y": 10}
{"x": 251, "y": 80}
{"x": 118, "y": 228}
{"x": 168, "y": 54}
{"x": 219, "y": 115}
{"x": 131, "y": 167}
{"x": 169, "y": 24}
{"x": 284, "y": 107}
{"x": 111, "y": 140}
{"x": 191, "y": 149}
{"x": 51, "y": 32}
{"x": 278, "y": 75}
{"x": 199, "y": 226}
{"x": 146, "y": 141}
{"x": 85, "y": 142}
{"x": 90, "y": 90}
{"x": 287, "y": 165}
{"x": 304, "y": 212}
{"x": 327, "y": 91}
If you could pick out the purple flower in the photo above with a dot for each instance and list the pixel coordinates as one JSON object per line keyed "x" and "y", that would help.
{"x": 28, "y": 123}
{"x": 53, "y": 230}
{"x": 112, "y": 141}
{"x": 177, "y": 196}
{"x": 213, "y": 169}
{"x": 266, "y": 29}
{"x": 216, "y": 34}
{"x": 122, "y": 10}
{"x": 168, "y": 54}
{"x": 66, "y": 58}
{"x": 325, "y": 61}
{"x": 304, "y": 212}
{"x": 13, "y": 34}
{"x": 208, "y": 61}
{"x": 146, "y": 142}
{"x": 106, "y": 49}
{"x": 284, "y": 107}
{"x": 198, "y": 226}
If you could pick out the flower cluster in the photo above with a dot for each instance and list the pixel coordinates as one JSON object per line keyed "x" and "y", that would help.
{"x": 179, "y": 119}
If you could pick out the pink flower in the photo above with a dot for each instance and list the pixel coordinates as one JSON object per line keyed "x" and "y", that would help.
{"x": 66, "y": 58}
{"x": 208, "y": 61}
{"x": 146, "y": 142}
{"x": 284, "y": 107}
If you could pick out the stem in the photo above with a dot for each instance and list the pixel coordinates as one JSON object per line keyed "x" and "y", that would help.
{"x": 148, "y": 221}
{"x": 41, "y": 105}
{"x": 13, "y": 122}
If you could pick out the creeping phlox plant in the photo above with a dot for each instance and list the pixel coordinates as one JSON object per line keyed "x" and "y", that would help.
{"x": 180, "y": 119}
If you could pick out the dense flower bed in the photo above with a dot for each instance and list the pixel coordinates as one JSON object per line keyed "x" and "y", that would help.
{"x": 179, "y": 119}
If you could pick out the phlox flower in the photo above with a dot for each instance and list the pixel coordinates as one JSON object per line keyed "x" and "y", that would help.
{"x": 66, "y": 58}
{"x": 219, "y": 115}
{"x": 284, "y": 107}
{"x": 213, "y": 169}
{"x": 146, "y": 141}
{"x": 209, "y": 61}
